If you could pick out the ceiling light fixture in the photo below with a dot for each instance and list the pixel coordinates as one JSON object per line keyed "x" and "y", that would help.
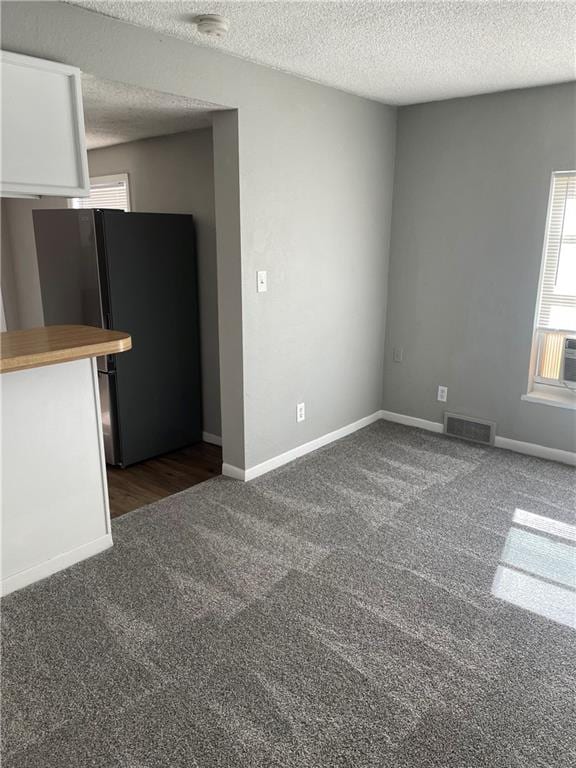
{"x": 212, "y": 24}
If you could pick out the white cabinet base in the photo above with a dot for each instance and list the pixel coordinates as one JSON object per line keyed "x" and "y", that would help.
{"x": 54, "y": 489}
{"x": 59, "y": 563}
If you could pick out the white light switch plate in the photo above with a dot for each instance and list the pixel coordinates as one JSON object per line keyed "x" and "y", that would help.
{"x": 442, "y": 394}
{"x": 301, "y": 412}
{"x": 262, "y": 281}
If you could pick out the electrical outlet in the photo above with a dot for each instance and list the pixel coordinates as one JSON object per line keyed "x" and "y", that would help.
{"x": 301, "y": 412}
{"x": 442, "y": 394}
{"x": 398, "y": 354}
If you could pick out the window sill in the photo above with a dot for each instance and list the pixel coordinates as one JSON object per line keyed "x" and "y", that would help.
{"x": 555, "y": 396}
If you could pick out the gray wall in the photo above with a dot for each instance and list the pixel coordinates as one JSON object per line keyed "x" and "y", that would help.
{"x": 175, "y": 174}
{"x": 314, "y": 179}
{"x": 228, "y": 246}
{"x": 471, "y": 193}
{"x": 316, "y": 193}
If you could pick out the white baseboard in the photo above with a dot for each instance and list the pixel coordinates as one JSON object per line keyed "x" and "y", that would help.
{"x": 530, "y": 449}
{"x": 412, "y": 421}
{"x": 212, "y": 439}
{"x": 55, "y": 564}
{"x": 296, "y": 453}
{"x": 229, "y": 470}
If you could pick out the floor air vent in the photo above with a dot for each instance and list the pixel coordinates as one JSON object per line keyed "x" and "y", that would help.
{"x": 466, "y": 428}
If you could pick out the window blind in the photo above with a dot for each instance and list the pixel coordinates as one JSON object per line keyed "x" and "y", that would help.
{"x": 106, "y": 192}
{"x": 557, "y": 299}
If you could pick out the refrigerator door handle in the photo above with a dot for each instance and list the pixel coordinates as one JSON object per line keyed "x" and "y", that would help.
{"x": 107, "y": 389}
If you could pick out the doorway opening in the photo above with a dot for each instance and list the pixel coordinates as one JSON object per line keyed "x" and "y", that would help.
{"x": 150, "y": 154}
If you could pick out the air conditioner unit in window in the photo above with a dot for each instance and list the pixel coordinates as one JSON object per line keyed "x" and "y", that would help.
{"x": 569, "y": 362}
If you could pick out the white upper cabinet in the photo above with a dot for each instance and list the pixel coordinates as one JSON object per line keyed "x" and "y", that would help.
{"x": 43, "y": 141}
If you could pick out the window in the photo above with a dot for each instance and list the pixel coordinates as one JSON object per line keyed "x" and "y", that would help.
{"x": 106, "y": 192}
{"x": 556, "y": 308}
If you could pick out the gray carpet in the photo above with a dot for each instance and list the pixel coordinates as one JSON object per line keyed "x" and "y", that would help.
{"x": 337, "y": 612}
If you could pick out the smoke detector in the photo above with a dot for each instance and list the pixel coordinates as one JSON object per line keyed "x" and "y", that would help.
{"x": 212, "y": 24}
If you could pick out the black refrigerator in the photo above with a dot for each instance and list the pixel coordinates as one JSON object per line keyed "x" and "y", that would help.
{"x": 133, "y": 272}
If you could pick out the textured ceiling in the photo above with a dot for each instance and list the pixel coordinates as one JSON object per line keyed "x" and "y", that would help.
{"x": 396, "y": 51}
{"x": 115, "y": 113}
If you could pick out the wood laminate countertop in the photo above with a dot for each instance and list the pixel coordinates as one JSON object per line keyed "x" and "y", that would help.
{"x": 57, "y": 344}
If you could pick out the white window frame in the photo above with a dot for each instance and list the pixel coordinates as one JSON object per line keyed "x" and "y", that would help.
{"x": 103, "y": 181}
{"x": 540, "y": 389}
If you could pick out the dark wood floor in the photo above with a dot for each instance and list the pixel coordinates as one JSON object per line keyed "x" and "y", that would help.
{"x": 162, "y": 476}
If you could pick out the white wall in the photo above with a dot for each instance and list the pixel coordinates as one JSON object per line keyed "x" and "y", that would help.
{"x": 175, "y": 174}
{"x": 314, "y": 176}
{"x": 471, "y": 194}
